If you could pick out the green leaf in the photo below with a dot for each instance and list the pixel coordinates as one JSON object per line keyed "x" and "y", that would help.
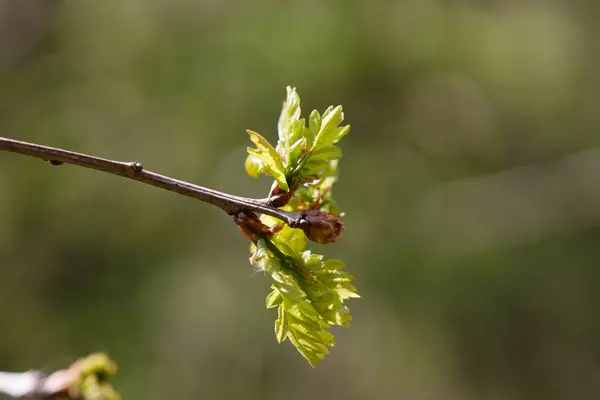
{"x": 328, "y": 338}
{"x": 341, "y": 133}
{"x": 293, "y": 238}
{"x": 347, "y": 293}
{"x": 327, "y": 153}
{"x": 315, "y": 167}
{"x": 253, "y": 166}
{"x": 315, "y": 346}
{"x": 281, "y": 329}
{"x": 291, "y": 129}
{"x": 302, "y": 326}
{"x": 311, "y": 261}
{"x": 334, "y": 264}
{"x": 308, "y": 311}
{"x": 295, "y": 152}
{"x": 274, "y": 299}
{"x": 311, "y": 356}
{"x": 290, "y": 112}
{"x": 285, "y": 249}
{"x": 314, "y": 125}
{"x": 329, "y": 132}
{"x": 266, "y": 159}
{"x": 296, "y": 131}
{"x": 319, "y": 161}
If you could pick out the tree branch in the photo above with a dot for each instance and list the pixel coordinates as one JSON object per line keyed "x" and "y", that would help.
{"x": 134, "y": 170}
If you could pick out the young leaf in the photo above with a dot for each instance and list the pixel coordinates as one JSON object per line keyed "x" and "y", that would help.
{"x": 314, "y": 125}
{"x": 326, "y": 153}
{"x": 294, "y": 238}
{"x": 319, "y": 161}
{"x": 297, "y": 317}
{"x": 290, "y": 112}
{"x": 281, "y": 326}
{"x": 290, "y": 127}
{"x": 265, "y": 159}
{"x": 296, "y": 149}
{"x": 253, "y": 165}
{"x": 274, "y": 298}
{"x": 329, "y": 133}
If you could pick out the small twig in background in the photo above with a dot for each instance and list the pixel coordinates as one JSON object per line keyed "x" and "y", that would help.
{"x": 84, "y": 379}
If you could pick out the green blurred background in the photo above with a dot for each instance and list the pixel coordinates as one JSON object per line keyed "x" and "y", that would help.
{"x": 470, "y": 183}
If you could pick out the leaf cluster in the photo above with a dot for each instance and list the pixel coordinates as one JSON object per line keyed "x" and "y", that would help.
{"x": 308, "y": 290}
{"x": 305, "y": 152}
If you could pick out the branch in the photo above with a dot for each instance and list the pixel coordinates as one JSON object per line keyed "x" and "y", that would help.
{"x": 231, "y": 204}
{"x": 84, "y": 379}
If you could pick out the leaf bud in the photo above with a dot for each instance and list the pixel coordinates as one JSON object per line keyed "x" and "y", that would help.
{"x": 320, "y": 226}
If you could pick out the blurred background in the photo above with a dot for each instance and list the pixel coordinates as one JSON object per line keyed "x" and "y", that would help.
{"x": 469, "y": 180}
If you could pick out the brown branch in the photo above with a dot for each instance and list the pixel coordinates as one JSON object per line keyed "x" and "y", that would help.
{"x": 134, "y": 170}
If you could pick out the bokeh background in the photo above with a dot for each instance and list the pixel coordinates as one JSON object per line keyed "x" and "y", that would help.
{"x": 470, "y": 182}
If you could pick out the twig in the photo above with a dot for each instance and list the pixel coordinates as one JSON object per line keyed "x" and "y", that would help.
{"x": 84, "y": 379}
{"x": 134, "y": 170}
{"x": 35, "y": 384}
{"x": 21, "y": 384}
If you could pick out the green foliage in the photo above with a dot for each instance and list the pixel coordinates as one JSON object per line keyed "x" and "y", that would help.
{"x": 265, "y": 159}
{"x": 307, "y": 290}
{"x": 303, "y": 153}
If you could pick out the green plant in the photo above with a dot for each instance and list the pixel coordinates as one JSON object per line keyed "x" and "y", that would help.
{"x": 307, "y": 290}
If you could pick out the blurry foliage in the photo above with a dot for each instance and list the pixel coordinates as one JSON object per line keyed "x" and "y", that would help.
{"x": 92, "y": 378}
{"x": 479, "y": 274}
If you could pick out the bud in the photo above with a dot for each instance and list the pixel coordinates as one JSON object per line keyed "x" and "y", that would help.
{"x": 320, "y": 226}
{"x": 251, "y": 226}
{"x": 279, "y": 198}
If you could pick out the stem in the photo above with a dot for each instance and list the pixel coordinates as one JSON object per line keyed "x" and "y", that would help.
{"x": 19, "y": 384}
{"x": 84, "y": 379}
{"x": 35, "y": 384}
{"x": 133, "y": 170}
